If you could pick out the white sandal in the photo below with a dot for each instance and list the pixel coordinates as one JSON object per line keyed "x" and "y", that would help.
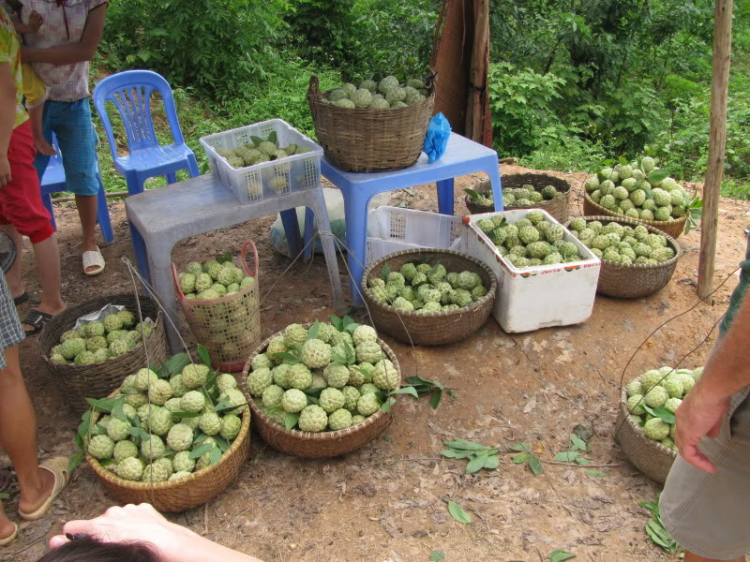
{"x": 93, "y": 259}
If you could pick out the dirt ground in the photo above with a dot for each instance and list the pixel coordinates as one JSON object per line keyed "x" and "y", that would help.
{"x": 388, "y": 501}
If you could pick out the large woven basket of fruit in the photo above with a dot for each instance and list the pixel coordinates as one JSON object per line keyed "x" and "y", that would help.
{"x": 91, "y": 347}
{"x": 221, "y": 302}
{"x": 375, "y": 127}
{"x": 637, "y": 259}
{"x": 322, "y": 390}
{"x": 429, "y": 297}
{"x": 174, "y": 437}
{"x": 523, "y": 191}
{"x": 645, "y": 425}
{"x": 639, "y": 191}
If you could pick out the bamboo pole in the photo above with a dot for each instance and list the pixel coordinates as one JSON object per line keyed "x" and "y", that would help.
{"x": 478, "y": 72}
{"x": 716, "y": 144}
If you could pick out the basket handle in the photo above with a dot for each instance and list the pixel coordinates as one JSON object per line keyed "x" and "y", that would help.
{"x": 245, "y": 246}
{"x": 177, "y": 287}
{"x": 431, "y": 80}
{"x": 313, "y": 90}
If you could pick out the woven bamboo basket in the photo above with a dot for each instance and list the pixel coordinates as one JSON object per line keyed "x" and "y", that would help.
{"x": 557, "y": 207}
{"x": 649, "y": 456}
{"x": 78, "y": 382}
{"x": 317, "y": 445}
{"x": 630, "y": 281}
{"x": 194, "y": 490}
{"x": 673, "y": 228}
{"x": 431, "y": 328}
{"x": 371, "y": 140}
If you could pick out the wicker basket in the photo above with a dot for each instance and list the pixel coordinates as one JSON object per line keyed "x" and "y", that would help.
{"x": 185, "y": 493}
{"x": 431, "y": 328}
{"x": 370, "y": 140}
{"x": 78, "y": 382}
{"x": 649, "y": 456}
{"x": 239, "y": 314}
{"x": 317, "y": 445}
{"x": 630, "y": 281}
{"x": 557, "y": 207}
{"x": 672, "y": 228}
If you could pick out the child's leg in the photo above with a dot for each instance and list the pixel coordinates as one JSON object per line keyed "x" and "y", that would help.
{"x": 35, "y": 116}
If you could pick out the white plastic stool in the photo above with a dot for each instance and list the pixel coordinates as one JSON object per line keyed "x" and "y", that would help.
{"x": 167, "y": 215}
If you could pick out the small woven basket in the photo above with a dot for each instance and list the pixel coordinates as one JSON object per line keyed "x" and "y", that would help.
{"x": 229, "y": 327}
{"x": 370, "y": 140}
{"x": 78, "y": 382}
{"x": 194, "y": 490}
{"x": 317, "y": 445}
{"x": 557, "y": 207}
{"x": 430, "y": 328}
{"x": 673, "y": 228}
{"x": 630, "y": 281}
{"x": 649, "y": 456}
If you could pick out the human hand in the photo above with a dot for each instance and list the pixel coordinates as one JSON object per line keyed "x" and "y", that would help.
{"x": 698, "y": 416}
{"x": 35, "y": 21}
{"x": 5, "y": 175}
{"x": 132, "y": 523}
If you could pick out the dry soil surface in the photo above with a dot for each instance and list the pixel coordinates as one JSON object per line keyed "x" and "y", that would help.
{"x": 388, "y": 501}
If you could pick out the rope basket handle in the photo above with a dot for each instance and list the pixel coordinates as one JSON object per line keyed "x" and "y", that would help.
{"x": 313, "y": 90}
{"x": 243, "y": 254}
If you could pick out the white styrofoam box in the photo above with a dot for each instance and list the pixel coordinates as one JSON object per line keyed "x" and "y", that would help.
{"x": 253, "y": 183}
{"x": 536, "y": 297}
{"x": 392, "y": 229}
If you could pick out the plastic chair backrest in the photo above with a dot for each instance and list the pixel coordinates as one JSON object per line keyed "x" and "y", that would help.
{"x": 130, "y": 91}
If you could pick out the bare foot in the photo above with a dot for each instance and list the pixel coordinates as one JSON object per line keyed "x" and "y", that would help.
{"x": 7, "y": 528}
{"x": 44, "y": 147}
{"x": 92, "y": 248}
{"x": 34, "y": 503}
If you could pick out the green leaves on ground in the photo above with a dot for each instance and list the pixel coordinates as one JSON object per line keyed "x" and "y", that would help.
{"x": 479, "y": 456}
{"x": 423, "y": 387}
{"x": 526, "y": 456}
{"x": 655, "y": 528}
{"x": 559, "y": 555}
{"x": 437, "y": 556}
{"x": 577, "y": 446}
{"x": 458, "y": 513}
{"x": 595, "y": 473}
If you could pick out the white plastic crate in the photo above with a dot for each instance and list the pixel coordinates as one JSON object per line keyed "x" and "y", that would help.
{"x": 253, "y": 183}
{"x": 392, "y": 229}
{"x": 536, "y": 297}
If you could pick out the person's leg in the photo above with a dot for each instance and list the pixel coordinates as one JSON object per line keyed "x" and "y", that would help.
{"x": 47, "y": 255}
{"x": 6, "y": 525}
{"x": 87, "y": 213}
{"x": 41, "y": 143}
{"x": 18, "y": 435}
{"x": 15, "y": 274}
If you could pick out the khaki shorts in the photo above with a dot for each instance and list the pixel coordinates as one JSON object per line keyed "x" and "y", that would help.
{"x": 709, "y": 514}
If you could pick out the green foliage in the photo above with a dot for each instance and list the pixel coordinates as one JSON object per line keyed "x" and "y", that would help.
{"x": 655, "y": 528}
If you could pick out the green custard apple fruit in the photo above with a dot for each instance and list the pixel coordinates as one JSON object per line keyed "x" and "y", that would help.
{"x": 180, "y": 437}
{"x": 299, "y": 377}
{"x": 193, "y": 401}
{"x": 235, "y": 400}
{"x": 340, "y": 419}
{"x": 230, "y": 427}
{"x": 313, "y": 419}
{"x": 152, "y": 447}
{"x": 130, "y": 468}
{"x": 337, "y": 375}
{"x": 101, "y": 447}
{"x": 210, "y": 423}
{"x": 656, "y": 429}
{"x": 259, "y": 380}
{"x": 124, "y": 450}
{"x": 331, "y": 399}
{"x": 385, "y": 376}
{"x": 368, "y": 404}
{"x": 293, "y": 400}
{"x": 315, "y": 354}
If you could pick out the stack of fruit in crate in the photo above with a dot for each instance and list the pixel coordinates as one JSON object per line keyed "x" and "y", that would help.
{"x": 388, "y": 93}
{"x": 259, "y": 150}
{"x": 530, "y": 241}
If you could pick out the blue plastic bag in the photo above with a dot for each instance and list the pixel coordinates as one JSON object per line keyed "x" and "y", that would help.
{"x": 436, "y": 139}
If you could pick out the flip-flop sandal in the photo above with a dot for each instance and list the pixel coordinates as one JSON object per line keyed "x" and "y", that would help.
{"x": 19, "y": 300}
{"x": 93, "y": 259}
{"x": 36, "y": 319}
{"x": 7, "y": 540}
{"x": 58, "y": 466}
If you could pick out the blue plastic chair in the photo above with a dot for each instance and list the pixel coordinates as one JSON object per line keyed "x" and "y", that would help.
{"x": 463, "y": 156}
{"x": 130, "y": 92}
{"x": 54, "y": 181}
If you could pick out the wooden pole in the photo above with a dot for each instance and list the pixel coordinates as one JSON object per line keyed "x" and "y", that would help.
{"x": 716, "y": 145}
{"x": 478, "y": 72}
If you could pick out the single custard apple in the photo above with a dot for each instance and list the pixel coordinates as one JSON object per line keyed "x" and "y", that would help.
{"x": 318, "y": 382}
{"x": 357, "y": 418}
{"x": 672, "y": 404}
{"x": 173, "y": 405}
{"x": 159, "y": 392}
{"x": 182, "y": 462}
{"x": 276, "y": 345}
{"x": 337, "y": 375}
{"x": 152, "y": 447}
{"x": 294, "y": 400}
{"x": 351, "y": 397}
{"x": 294, "y": 334}
{"x": 364, "y": 333}
{"x": 650, "y": 379}
{"x": 178, "y": 387}
{"x": 193, "y": 401}
{"x": 68, "y": 335}
{"x": 180, "y": 437}
{"x": 385, "y": 376}
{"x": 299, "y": 377}
{"x": 72, "y": 347}
{"x": 315, "y": 354}
{"x": 313, "y": 419}
{"x": 673, "y": 386}
{"x": 387, "y": 83}
{"x": 272, "y": 396}
{"x": 94, "y": 329}
{"x": 96, "y": 343}
{"x": 230, "y": 427}
{"x": 280, "y": 375}
{"x": 117, "y": 430}
{"x": 259, "y": 380}
{"x": 119, "y": 347}
{"x": 155, "y": 472}
{"x": 368, "y": 388}
{"x": 130, "y": 468}
{"x": 144, "y": 378}
{"x": 331, "y": 399}
{"x": 210, "y": 423}
{"x": 635, "y": 387}
{"x": 235, "y": 400}
{"x": 160, "y": 421}
{"x": 340, "y": 419}
{"x": 369, "y": 352}
{"x": 368, "y": 404}
{"x": 262, "y": 360}
{"x": 85, "y": 358}
{"x": 101, "y": 447}
{"x": 124, "y": 450}
{"x": 656, "y": 429}
{"x": 656, "y": 397}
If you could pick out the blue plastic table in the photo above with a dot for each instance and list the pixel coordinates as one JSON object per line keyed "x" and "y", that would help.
{"x": 463, "y": 156}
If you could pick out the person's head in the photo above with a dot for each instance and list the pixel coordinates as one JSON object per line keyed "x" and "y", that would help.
{"x": 15, "y": 5}
{"x": 92, "y": 550}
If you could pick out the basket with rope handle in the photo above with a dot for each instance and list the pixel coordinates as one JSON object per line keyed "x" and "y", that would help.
{"x": 371, "y": 140}
{"x": 191, "y": 491}
{"x": 229, "y": 326}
